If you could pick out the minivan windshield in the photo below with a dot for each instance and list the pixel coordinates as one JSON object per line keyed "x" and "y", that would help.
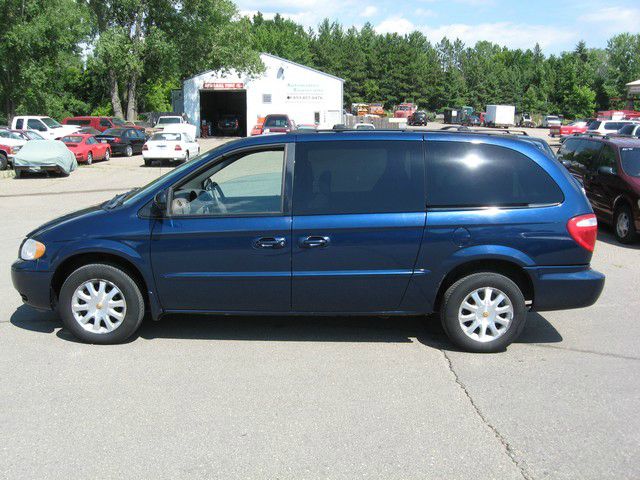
{"x": 631, "y": 161}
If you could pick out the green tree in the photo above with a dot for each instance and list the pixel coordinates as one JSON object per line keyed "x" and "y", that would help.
{"x": 40, "y": 52}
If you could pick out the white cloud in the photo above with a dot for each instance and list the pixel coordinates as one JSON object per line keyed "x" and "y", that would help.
{"x": 396, "y": 24}
{"x": 613, "y": 20}
{"x": 513, "y": 35}
{"x": 369, "y": 11}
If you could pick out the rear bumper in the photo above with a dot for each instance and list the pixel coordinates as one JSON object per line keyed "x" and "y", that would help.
{"x": 33, "y": 286}
{"x": 562, "y": 288}
{"x": 163, "y": 155}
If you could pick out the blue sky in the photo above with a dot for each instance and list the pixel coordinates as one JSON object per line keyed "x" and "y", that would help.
{"x": 556, "y": 25}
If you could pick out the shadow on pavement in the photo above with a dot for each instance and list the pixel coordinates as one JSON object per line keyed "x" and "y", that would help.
{"x": 606, "y": 235}
{"x": 427, "y": 330}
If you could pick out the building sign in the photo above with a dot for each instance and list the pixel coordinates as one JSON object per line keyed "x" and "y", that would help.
{"x": 304, "y": 93}
{"x": 223, "y": 86}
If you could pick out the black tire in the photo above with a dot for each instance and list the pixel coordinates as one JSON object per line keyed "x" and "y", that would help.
{"x": 4, "y": 161}
{"x": 458, "y": 292}
{"x": 89, "y": 158}
{"x": 128, "y": 151}
{"x": 628, "y": 235}
{"x": 130, "y": 291}
{"x": 147, "y": 162}
{"x": 18, "y": 172}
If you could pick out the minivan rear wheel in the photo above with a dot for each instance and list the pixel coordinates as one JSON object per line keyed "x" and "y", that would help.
{"x": 483, "y": 312}
{"x": 624, "y": 225}
{"x": 100, "y": 303}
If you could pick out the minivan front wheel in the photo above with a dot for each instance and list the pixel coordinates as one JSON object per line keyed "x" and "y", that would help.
{"x": 483, "y": 312}
{"x": 100, "y": 303}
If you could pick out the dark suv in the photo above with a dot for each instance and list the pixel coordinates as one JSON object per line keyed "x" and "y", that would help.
{"x": 477, "y": 227}
{"x": 418, "y": 118}
{"x": 609, "y": 170}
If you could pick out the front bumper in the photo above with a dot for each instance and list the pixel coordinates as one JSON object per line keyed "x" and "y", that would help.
{"x": 34, "y": 286}
{"x": 563, "y": 288}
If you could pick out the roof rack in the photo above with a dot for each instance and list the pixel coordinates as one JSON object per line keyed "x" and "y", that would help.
{"x": 490, "y": 131}
{"x": 592, "y": 135}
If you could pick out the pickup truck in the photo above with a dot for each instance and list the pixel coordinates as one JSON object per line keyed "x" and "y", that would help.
{"x": 174, "y": 124}
{"x": 45, "y": 126}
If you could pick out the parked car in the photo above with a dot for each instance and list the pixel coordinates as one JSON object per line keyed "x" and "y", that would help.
{"x": 140, "y": 125}
{"x": 277, "y": 124}
{"x": 176, "y": 147}
{"x": 6, "y": 155}
{"x": 549, "y": 121}
{"x": 605, "y": 127}
{"x": 310, "y": 127}
{"x": 87, "y": 148}
{"x": 228, "y": 125}
{"x": 631, "y": 130}
{"x": 174, "y": 123}
{"x": 47, "y": 127}
{"x": 89, "y": 130}
{"x": 404, "y": 110}
{"x": 609, "y": 170}
{"x": 339, "y": 226}
{"x": 364, "y": 126}
{"x": 257, "y": 129}
{"x": 472, "y": 121}
{"x": 418, "y": 118}
{"x": 12, "y": 138}
{"x": 28, "y": 135}
{"x": 44, "y": 156}
{"x": 526, "y": 121}
{"x": 99, "y": 123}
{"x": 123, "y": 141}
{"x": 579, "y": 126}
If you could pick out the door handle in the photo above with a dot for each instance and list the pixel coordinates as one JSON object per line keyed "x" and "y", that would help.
{"x": 314, "y": 242}
{"x": 270, "y": 242}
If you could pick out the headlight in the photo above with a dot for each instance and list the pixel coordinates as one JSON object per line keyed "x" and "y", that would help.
{"x": 31, "y": 250}
{"x": 16, "y": 149}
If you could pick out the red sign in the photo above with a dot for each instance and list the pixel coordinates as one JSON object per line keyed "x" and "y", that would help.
{"x": 223, "y": 86}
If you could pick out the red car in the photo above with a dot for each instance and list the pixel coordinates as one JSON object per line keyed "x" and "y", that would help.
{"x": 100, "y": 123}
{"x": 86, "y": 148}
{"x": 579, "y": 126}
{"x": 6, "y": 155}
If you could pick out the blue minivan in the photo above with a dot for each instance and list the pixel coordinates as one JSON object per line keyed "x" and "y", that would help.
{"x": 478, "y": 227}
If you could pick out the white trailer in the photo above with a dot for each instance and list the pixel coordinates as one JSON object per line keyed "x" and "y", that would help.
{"x": 500, "y": 116}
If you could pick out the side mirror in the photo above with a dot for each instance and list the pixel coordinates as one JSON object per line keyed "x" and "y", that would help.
{"x": 606, "y": 170}
{"x": 160, "y": 202}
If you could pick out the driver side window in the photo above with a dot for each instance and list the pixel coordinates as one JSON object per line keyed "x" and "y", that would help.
{"x": 249, "y": 183}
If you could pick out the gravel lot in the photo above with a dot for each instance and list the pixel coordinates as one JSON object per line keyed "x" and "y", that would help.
{"x": 307, "y": 398}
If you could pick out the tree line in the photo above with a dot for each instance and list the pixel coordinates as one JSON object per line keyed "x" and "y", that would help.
{"x": 122, "y": 57}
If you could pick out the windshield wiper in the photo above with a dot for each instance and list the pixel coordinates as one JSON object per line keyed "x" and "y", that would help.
{"x": 117, "y": 200}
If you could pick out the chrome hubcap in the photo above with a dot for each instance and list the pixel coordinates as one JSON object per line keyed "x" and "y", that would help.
{"x": 485, "y": 314}
{"x": 623, "y": 224}
{"x": 98, "y": 306}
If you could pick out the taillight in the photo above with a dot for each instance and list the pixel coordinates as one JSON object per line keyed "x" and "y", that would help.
{"x": 178, "y": 148}
{"x": 145, "y": 147}
{"x": 584, "y": 230}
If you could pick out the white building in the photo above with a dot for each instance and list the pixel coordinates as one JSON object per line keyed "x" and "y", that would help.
{"x": 307, "y": 95}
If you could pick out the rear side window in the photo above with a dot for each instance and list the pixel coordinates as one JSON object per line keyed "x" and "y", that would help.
{"x": 19, "y": 124}
{"x": 358, "y": 177}
{"x": 627, "y": 129}
{"x": 614, "y": 126}
{"x": 463, "y": 174}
